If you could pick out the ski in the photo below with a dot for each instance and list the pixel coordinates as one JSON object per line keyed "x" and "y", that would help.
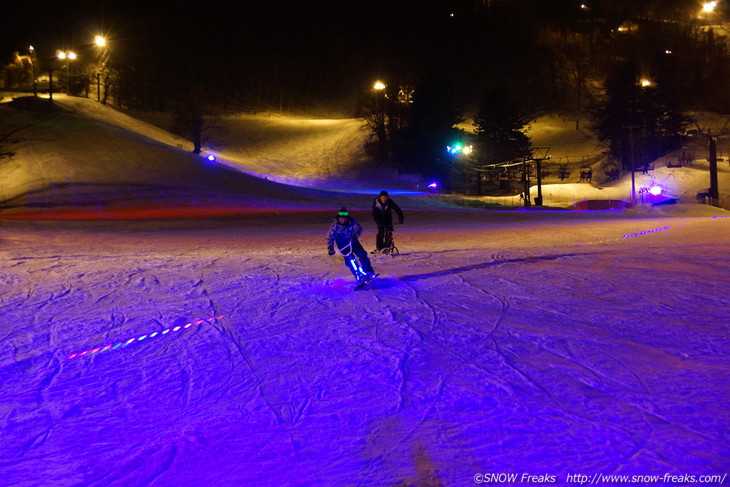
{"x": 366, "y": 282}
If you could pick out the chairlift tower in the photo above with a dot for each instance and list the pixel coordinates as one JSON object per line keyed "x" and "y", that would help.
{"x": 714, "y": 191}
{"x": 538, "y": 162}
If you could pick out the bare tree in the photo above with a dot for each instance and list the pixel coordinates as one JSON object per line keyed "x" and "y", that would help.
{"x": 196, "y": 119}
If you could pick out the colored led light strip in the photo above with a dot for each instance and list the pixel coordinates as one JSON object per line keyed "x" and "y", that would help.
{"x": 639, "y": 234}
{"x": 122, "y": 344}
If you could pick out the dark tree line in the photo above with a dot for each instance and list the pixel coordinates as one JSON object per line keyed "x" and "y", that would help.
{"x": 318, "y": 56}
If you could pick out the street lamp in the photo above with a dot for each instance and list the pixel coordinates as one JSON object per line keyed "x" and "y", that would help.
{"x": 708, "y": 11}
{"x": 67, "y": 56}
{"x": 709, "y": 7}
{"x": 102, "y": 58}
{"x": 379, "y": 86}
{"x": 33, "y": 62}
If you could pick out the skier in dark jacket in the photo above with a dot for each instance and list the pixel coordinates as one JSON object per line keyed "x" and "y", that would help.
{"x": 344, "y": 232}
{"x": 383, "y": 208}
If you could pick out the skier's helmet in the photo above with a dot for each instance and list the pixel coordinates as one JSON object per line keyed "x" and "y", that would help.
{"x": 343, "y": 213}
{"x": 383, "y": 193}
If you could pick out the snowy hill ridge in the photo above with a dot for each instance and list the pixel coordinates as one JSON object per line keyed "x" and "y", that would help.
{"x": 80, "y": 157}
{"x": 77, "y": 156}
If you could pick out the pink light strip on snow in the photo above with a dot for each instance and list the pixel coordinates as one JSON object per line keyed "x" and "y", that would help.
{"x": 121, "y": 344}
{"x": 651, "y": 231}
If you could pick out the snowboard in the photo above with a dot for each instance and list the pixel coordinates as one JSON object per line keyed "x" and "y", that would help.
{"x": 366, "y": 282}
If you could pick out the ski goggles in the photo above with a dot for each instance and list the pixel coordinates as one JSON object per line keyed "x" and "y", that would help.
{"x": 343, "y": 213}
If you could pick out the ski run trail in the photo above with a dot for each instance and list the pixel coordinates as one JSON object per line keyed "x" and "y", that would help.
{"x": 496, "y": 343}
{"x": 223, "y": 347}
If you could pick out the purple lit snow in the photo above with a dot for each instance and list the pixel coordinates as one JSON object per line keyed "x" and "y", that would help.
{"x": 501, "y": 351}
{"x": 168, "y": 323}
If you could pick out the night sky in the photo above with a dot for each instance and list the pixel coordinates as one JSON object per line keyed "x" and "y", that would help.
{"x": 322, "y": 47}
{"x": 317, "y": 42}
{"x": 218, "y": 31}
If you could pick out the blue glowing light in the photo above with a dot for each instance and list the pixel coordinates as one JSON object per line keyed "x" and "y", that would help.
{"x": 211, "y": 157}
{"x": 655, "y": 190}
{"x": 140, "y": 338}
{"x": 639, "y": 234}
{"x": 433, "y": 185}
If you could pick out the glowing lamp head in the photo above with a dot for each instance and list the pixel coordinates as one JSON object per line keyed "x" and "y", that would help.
{"x": 655, "y": 190}
{"x": 211, "y": 157}
{"x": 100, "y": 41}
{"x": 708, "y": 7}
{"x": 433, "y": 185}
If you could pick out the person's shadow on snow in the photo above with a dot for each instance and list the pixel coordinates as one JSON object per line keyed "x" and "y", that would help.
{"x": 483, "y": 265}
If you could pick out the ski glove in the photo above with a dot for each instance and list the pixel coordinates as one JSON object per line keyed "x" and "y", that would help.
{"x": 331, "y": 251}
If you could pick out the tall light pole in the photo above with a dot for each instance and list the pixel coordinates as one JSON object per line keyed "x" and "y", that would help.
{"x": 33, "y": 61}
{"x": 714, "y": 189}
{"x": 380, "y": 117}
{"x": 67, "y": 56}
{"x": 632, "y": 162}
{"x": 102, "y": 57}
{"x": 633, "y": 166}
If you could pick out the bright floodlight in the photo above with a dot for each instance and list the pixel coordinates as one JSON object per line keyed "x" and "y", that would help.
{"x": 61, "y": 55}
{"x": 433, "y": 185}
{"x": 71, "y": 55}
{"x": 655, "y": 190}
{"x": 645, "y": 82}
{"x": 100, "y": 41}
{"x": 709, "y": 7}
{"x": 379, "y": 85}
{"x": 211, "y": 158}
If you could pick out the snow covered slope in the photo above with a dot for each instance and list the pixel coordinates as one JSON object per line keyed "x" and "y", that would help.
{"x": 574, "y": 347}
{"x": 236, "y": 353}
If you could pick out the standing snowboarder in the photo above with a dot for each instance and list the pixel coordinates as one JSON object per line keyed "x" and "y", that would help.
{"x": 344, "y": 232}
{"x": 383, "y": 208}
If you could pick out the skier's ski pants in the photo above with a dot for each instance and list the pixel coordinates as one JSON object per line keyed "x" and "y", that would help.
{"x": 358, "y": 252}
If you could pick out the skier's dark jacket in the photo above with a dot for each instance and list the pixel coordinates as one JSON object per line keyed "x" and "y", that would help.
{"x": 383, "y": 213}
{"x": 343, "y": 234}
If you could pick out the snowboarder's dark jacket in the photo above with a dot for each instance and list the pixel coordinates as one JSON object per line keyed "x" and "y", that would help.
{"x": 343, "y": 234}
{"x": 383, "y": 212}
